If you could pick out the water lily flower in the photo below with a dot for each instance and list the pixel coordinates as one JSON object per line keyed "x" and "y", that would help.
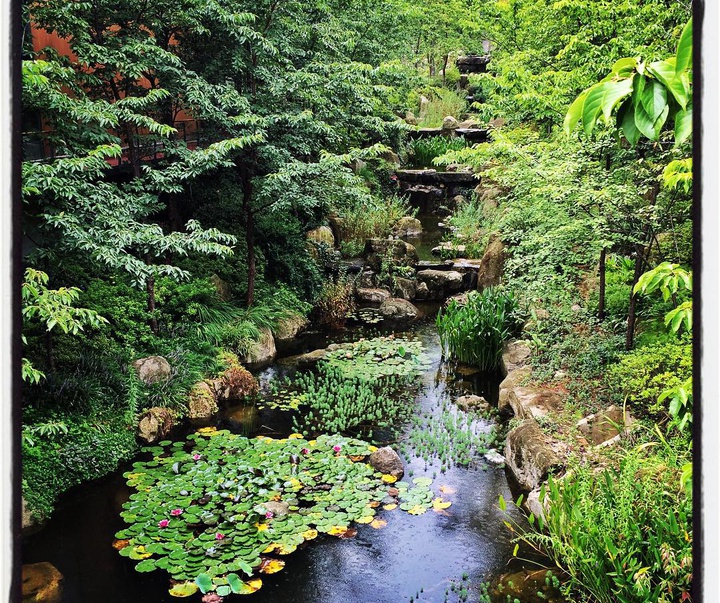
{"x": 163, "y": 523}
{"x": 219, "y": 536}
{"x": 337, "y": 448}
{"x": 305, "y": 451}
{"x": 176, "y": 512}
{"x": 196, "y": 457}
{"x": 269, "y": 515}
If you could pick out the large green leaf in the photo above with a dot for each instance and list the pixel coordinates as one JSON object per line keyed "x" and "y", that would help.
{"x": 205, "y": 583}
{"x": 684, "y": 49}
{"x": 602, "y": 98}
{"x": 625, "y": 67}
{"x": 626, "y": 122}
{"x": 678, "y": 85}
{"x": 683, "y": 125}
{"x": 650, "y": 127}
{"x": 654, "y": 99}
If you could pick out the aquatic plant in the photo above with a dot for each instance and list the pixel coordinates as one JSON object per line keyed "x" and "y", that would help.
{"x": 474, "y": 332}
{"x": 422, "y": 151}
{"x": 217, "y": 511}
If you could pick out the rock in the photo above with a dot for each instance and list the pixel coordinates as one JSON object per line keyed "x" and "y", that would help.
{"x": 155, "y": 424}
{"x": 311, "y": 358}
{"x": 202, "y": 403}
{"x": 289, "y": 327}
{"x": 528, "y": 454}
{"x": 422, "y": 291}
{"x": 533, "y": 504}
{"x": 424, "y": 104}
{"x": 493, "y": 457}
{"x": 31, "y": 523}
{"x": 465, "y": 176}
{"x": 440, "y": 283}
{"x": 433, "y": 265}
{"x": 398, "y": 309}
{"x": 512, "y": 380}
{"x": 386, "y": 460}
{"x": 450, "y": 123}
{"x": 373, "y": 296}
{"x": 221, "y": 287}
{"x": 399, "y": 252}
{"x": 408, "y": 226}
{"x": 390, "y": 157}
{"x": 533, "y": 402}
{"x": 322, "y": 234}
{"x": 419, "y": 176}
{"x": 405, "y": 288}
{"x": 468, "y": 124}
{"x": 277, "y": 508}
{"x": 263, "y": 350}
{"x": 576, "y": 308}
{"x": 515, "y": 355}
{"x": 235, "y": 382}
{"x": 472, "y": 63}
{"x": 602, "y": 428}
{"x": 411, "y": 119}
{"x": 473, "y": 135}
{"x": 357, "y": 165}
{"x": 492, "y": 263}
{"x": 471, "y": 402}
{"x": 459, "y": 200}
{"x": 41, "y": 583}
{"x": 497, "y": 123}
{"x": 368, "y": 279}
{"x": 152, "y": 369}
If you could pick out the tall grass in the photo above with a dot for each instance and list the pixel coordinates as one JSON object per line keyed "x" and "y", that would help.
{"x": 443, "y": 103}
{"x": 422, "y": 151}
{"x": 474, "y": 332}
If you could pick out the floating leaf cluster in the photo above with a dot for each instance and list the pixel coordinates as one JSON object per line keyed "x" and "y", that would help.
{"x": 216, "y": 511}
{"x": 369, "y": 316}
{"x": 454, "y": 438}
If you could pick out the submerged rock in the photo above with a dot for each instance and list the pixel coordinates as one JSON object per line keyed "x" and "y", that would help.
{"x": 529, "y": 455}
{"x": 152, "y": 369}
{"x": 155, "y": 424}
{"x": 386, "y": 460}
{"x": 41, "y": 583}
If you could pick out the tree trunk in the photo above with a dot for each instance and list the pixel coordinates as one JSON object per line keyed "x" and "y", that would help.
{"x": 601, "y": 295}
{"x": 444, "y": 67}
{"x": 249, "y": 236}
{"x": 150, "y": 286}
{"x": 632, "y": 312}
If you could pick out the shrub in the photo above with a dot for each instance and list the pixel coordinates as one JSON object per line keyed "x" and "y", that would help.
{"x": 334, "y": 303}
{"x": 624, "y": 534}
{"x": 443, "y": 102}
{"x": 422, "y": 151}
{"x": 467, "y": 220}
{"x": 474, "y": 332}
{"x": 645, "y": 373}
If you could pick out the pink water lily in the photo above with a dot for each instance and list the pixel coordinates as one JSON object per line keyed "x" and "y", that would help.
{"x": 196, "y": 457}
{"x": 337, "y": 448}
{"x": 219, "y": 536}
{"x": 305, "y": 451}
{"x": 176, "y": 512}
{"x": 163, "y": 523}
{"x": 269, "y": 515}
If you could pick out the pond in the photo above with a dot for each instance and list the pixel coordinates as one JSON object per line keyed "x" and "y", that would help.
{"x": 421, "y": 558}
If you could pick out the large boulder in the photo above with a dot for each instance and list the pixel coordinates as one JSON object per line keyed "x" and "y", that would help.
{"x": 41, "y": 583}
{"x": 386, "y": 460}
{"x": 263, "y": 350}
{"x": 450, "y": 123}
{"x": 398, "y": 252}
{"x": 440, "y": 283}
{"x": 372, "y": 296}
{"x": 288, "y": 328}
{"x": 155, "y": 424}
{"x": 533, "y": 402}
{"x": 368, "y": 279}
{"x": 492, "y": 263}
{"x": 404, "y": 288}
{"x": 529, "y": 455}
{"x": 202, "y": 403}
{"x": 513, "y": 379}
{"x": 398, "y": 309}
{"x": 235, "y": 382}
{"x": 605, "y": 427}
{"x": 152, "y": 369}
{"x": 407, "y": 226}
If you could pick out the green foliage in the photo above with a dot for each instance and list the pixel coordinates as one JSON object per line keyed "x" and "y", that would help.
{"x": 335, "y": 302}
{"x": 680, "y": 404}
{"x": 624, "y": 534}
{"x": 468, "y": 221}
{"x": 443, "y": 102}
{"x": 669, "y": 279}
{"x": 474, "y": 332}
{"x": 207, "y": 510}
{"x": 423, "y": 151}
{"x": 641, "y": 376}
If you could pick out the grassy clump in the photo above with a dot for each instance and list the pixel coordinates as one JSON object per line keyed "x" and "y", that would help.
{"x": 442, "y": 103}
{"x": 474, "y": 332}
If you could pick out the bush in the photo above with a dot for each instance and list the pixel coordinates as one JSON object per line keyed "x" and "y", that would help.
{"x": 334, "y": 304}
{"x": 443, "y": 102}
{"x": 643, "y": 374}
{"x": 623, "y": 535}
{"x": 474, "y": 332}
